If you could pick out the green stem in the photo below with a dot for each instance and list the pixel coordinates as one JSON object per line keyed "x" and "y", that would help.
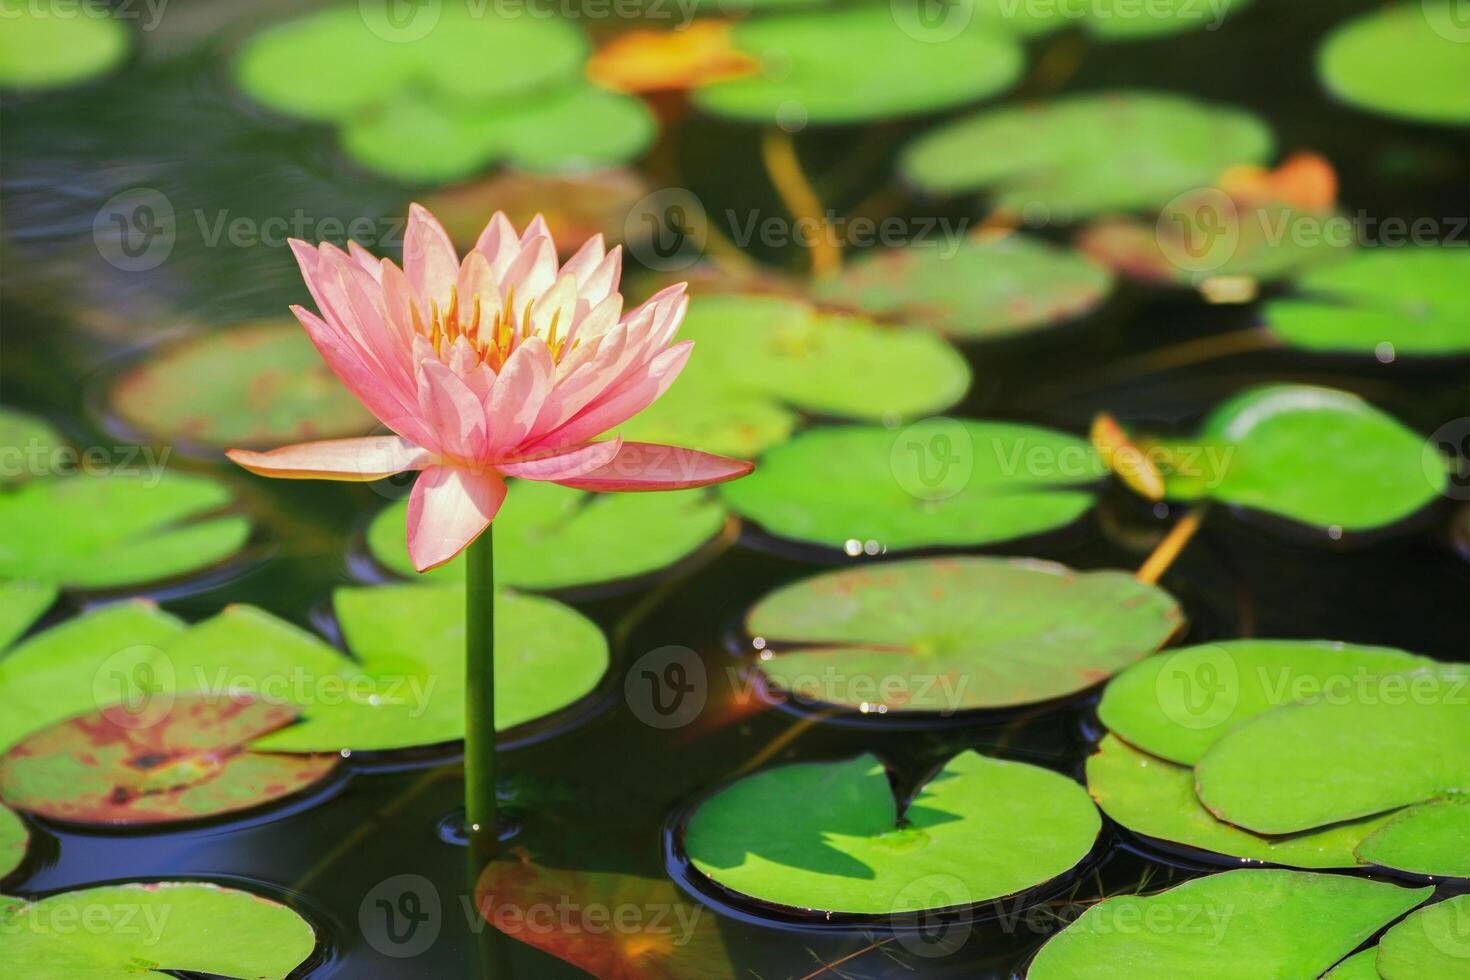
{"x": 479, "y": 706}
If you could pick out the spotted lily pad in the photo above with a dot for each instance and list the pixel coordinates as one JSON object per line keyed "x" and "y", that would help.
{"x": 13, "y": 841}
{"x": 1087, "y": 154}
{"x": 135, "y": 929}
{"x": 28, "y": 445}
{"x": 552, "y": 537}
{"x": 1317, "y": 456}
{"x": 939, "y": 482}
{"x": 1387, "y": 301}
{"x": 1431, "y": 942}
{"x": 1178, "y": 704}
{"x": 983, "y": 827}
{"x": 1408, "y": 60}
{"x": 859, "y": 63}
{"x": 253, "y": 384}
{"x": 763, "y": 359}
{"x": 108, "y": 531}
{"x": 1239, "y": 925}
{"x": 1108, "y": 20}
{"x": 1155, "y": 798}
{"x": 48, "y": 46}
{"x": 946, "y": 635}
{"x": 1429, "y": 839}
{"x": 114, "y": 766}
{"x": 1394, "y": 742}
{"x": 974, "y": 288}
{"x": 676, "y": 940}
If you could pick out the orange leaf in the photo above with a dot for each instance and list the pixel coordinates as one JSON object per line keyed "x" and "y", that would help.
{"x": 662, "y": 61}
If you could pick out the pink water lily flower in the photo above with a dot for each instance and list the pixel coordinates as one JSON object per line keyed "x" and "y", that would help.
{"x": 503, "y": 364}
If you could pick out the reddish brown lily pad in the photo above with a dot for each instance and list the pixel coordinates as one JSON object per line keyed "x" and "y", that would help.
{"x": 190, "y": 762}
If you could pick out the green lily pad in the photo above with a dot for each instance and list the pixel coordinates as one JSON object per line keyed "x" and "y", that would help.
{"x": 983, "y": 827}
{"x": 552, "y": 537}
{"x": 947, "y": 635}
{"x": 1318, "y": 456}
{"x": 14, "y": 839}
{"x": 252, "y": 385}
{"x": 1107, "y": 20}
{"x": 21, "y": 604}
{"x": 28, "y": 444}
{"x": 1387, "y": 301}
{"x": 1178, "y": 704}
{"x": 1407, "y": 60}
{"x": 1429, "y": 839}
{"x": 570, "y": 128}
{"x": 1392, "y": 743}
{"x": 972, "y": 289}
{"x": 763, "y": 359}
{"x": 1431, "y": 942}
{"x": 854, "y": 64}
{"x": 46, "y": 47}
{"x": 406, "y": 687}
{"x": 115, "y": 767}
{"x": 135, "y": 929}
{"x": 1087, "y": 154}
{"x": 1359, "y": 966}
{"x": 1239, "y": 925}
{"x": 109, "y": 531}
{"x": 1155, "y": 798}
{"x": 939, "y": 482}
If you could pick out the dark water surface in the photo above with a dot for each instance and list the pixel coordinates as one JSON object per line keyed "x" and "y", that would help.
{"x": 602, "y": 795}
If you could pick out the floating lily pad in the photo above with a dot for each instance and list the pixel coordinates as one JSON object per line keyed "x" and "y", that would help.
{"x": 1108, "y": 20}
{"x": 972, "y": 289}
{"x": 13, "y": 841}
{"x": 685, "y": 943}
{"x": 1087, "y": 154}
{"x": 146, "y": 928}
{"x": 29, "y": 445}
{"x": 1155, "y": 798}
{"x": 409, "y": 641}
{"x": 990, "y": 828}
{"x": 854, "y": 64}
{"x": 1429, "y": 839}
{"x": 1393, "y": 301}
{"x": 1317, "y": 456}
{"x": 763, "y": 359}
{"x": 940, "y": 482}
{"x": 21, "y": 604}
{"x": 946, "y": 635}
{"x": 1394, "y": 742}
{"x": 1239, "y": 925}
{"x": 254, "y": 385}
{"x": 1408, "y": 60}
{"x": 1178, "y": 704}
{"x": 406, "y": 687}
{"x": 1431, "y": 942}
{"x": 552, "y": 537}
{"x": 1359, "y": 966}
{"x": 114, "y": 767}
{"x": 46, "y": 47}
{"x": 108, "y": 531}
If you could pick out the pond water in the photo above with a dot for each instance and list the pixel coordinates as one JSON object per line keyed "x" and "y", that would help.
{"x": 602, "y": 789}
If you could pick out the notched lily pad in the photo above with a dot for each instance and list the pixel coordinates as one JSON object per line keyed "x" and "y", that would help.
{"x": 1407, "y": 60}
{"x": 938, "y": 482}
{"x": 130, "y": 929}
{"x": 1239, "y": 925}
{"x": 47, "y": 47}
{"x": 762, "y": 360}
{"x": 947, "y": 635}
{"x": 253, "y": 385}
{"x": 979, "y": 829}
{"x": 972, "y": 288}
{"x": 1429, "y": 839}
{"x": 1085, "y": 155}
{"x": 118, "y": 766}
{"x": 552, "y": 537}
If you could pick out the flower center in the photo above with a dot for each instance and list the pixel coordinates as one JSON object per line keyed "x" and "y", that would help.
{"x": 492, "y": 342}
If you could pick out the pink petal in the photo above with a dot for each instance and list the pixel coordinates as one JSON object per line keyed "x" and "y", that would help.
{"x": 614, "y": 407}
{"x": 499, "y": 244}
{"x": 531, "y": 274}
{"x": 359, "y": 460}
{"x": 448, "y": 509}
{"x": 641, "y": 466}
{"x": 588, "y": 257}
{"x": 364, "y": 381}
{"x": 366, "y": 260}
{"x": 518, "y": 393}
{"x": 429, "y": 260}
{"x": 565, "y": 466}
{"x": 451, "y": 411}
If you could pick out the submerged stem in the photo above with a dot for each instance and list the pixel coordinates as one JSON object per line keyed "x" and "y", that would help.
{"x": 1168, "y": 549}
{"x": 778, "y": 152}
{"x": 479, "y": 706}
